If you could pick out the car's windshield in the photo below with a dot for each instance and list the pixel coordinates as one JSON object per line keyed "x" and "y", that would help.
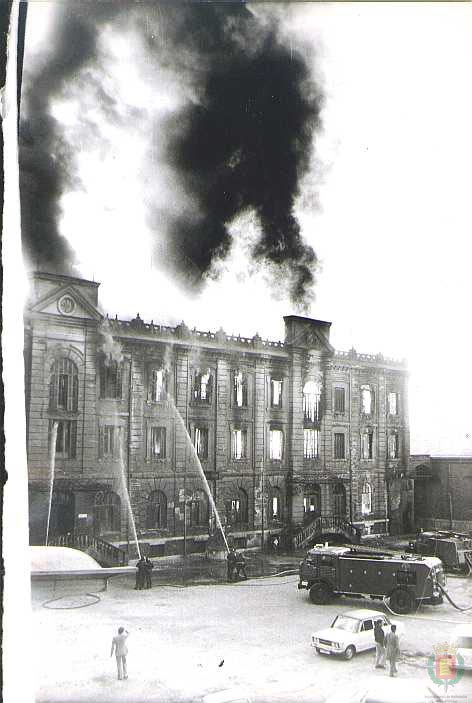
{"x": 465, "y": 642}
{"x": 343, "y": 622}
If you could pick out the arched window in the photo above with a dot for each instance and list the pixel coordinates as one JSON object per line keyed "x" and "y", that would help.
{"x": 311, "y": 401}
{"x": 236, "y": 509}
{"x": 339, "y": 494}
{"x": 198, "y": 510}
{"x": 63, "y": 385}
{"x": 366, "y": 499}
{"x": 275, "y": 504}
{"x": 156, "y": 515}
{"x": 107, "y": 512}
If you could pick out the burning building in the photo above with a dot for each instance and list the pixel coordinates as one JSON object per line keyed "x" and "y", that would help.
{"x": 294, "y": 439}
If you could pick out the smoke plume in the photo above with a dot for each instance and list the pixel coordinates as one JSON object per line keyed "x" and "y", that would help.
{"x": 242, "y": 140}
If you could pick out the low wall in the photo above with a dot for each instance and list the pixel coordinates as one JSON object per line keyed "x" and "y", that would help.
{"x": 431, "y": 523}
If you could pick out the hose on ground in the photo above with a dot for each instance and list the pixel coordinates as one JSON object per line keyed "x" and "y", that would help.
{"x": 457, "y": 607}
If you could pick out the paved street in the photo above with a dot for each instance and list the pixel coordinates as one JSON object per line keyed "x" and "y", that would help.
{"x": 185, "y": 643}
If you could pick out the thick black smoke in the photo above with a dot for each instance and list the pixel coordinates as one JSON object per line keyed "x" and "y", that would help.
{"x": 45, "y": 158}
{"x": 242, "y": 142}
{"x": 246, "y": 142}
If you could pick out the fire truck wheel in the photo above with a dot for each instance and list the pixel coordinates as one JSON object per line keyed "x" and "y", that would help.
{"x": 349, "y": 652}
{"x": 320, "y": 594}
{"x": 401, "y": 602}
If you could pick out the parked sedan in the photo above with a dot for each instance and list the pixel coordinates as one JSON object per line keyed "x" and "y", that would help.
{"x": 462, "y": 641}
{"x": 351, "y": 632}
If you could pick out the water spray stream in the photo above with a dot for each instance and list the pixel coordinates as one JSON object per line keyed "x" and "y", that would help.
{"x": 202, "y": 474}
{"x": 126, "y": 497}
{"x": 52, "y": 451}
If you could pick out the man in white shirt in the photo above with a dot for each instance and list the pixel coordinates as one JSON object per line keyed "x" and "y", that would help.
{"x": 118, "y": 645}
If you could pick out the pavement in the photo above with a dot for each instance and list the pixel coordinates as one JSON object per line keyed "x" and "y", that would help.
{"x": 214, "y": 642}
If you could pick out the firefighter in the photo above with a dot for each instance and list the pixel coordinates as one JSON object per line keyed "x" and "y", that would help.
{"x": 231, "y": 563}
{"x": 140, "y": 574}
{"x": 240, "y": 570}
{"x": 147, "y": 573}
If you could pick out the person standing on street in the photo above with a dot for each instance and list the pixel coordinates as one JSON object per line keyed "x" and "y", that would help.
{"x": 392, "y": 647}
{"x": 118, "y": 646}
{"x": 240, "y": 566}
{"x": 140, "y": 574}
{"x": 379, "y": 636}
{"x": 148, "y": 572}
{"x": 231, "y": 563}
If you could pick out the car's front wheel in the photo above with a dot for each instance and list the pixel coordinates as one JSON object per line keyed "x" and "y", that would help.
{"x": 349, "y": 652}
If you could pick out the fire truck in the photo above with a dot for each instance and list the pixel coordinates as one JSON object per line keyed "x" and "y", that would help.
{"x": 406, "y": 579}
{"x": 453, "y": 548}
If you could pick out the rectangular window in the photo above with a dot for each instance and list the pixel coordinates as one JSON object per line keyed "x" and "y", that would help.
{"x": 201, "y": 442}
{"x": 367, "y": 445}
{"x": 158, "y": 385}
{"x": 276, "y": 439}
{"x": 240, "y": 389}
{"x": 110, "y": 380}
{"x": 393, "y": 403}
{"x": 311, "y": 443}
{"x": 394, "y": 446}
{"x": 339, "y": 400}
{"x": 239, "y": 442}
{"x": 202, "y": 388}
{"x": 339, "y": 445}
{"x": 367, "y": 400}
{"x": 66, "y": 438}
{"x": 158, "y": 442}
{"x": 108, "y": 440}
{"x": 311, "y": 407}
{"x": 276, "y": 393}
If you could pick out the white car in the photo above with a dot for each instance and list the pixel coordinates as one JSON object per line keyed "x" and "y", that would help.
{"x": 462, "y": 641}
{"x": 352, "y": 632}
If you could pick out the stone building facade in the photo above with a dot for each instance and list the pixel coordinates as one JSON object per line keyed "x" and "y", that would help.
{"x": 443, "y": 491}
{"x": 127, "y": 410}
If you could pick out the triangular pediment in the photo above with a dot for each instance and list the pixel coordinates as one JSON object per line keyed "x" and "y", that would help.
{"x": 67, "y": 301}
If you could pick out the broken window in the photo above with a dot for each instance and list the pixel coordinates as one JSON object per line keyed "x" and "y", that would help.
{"x": 393, "y": 403}
{"x": 276, "y": 393}
{"x": 239, "y": 442}
{"x": 312, "y": 502}
{"x": 367, "y": 400}
{"x": 158, "y": 385}
{"x": 236, "y": 509}
{"x": 394, "y": 446}
{"x": 201, "y": 442}
{"x": 311, "y": 402}
{"x": 110, "y": 379}
{"x": 197, "y": 514}
{"x": 367, "y": 445}
{"x": 339, "y": 400}
{"x": 202, "y": 387}
{"x": 310, "y": 443}
{"x": 240, "y": 389}
{"x": 275, "y": 504}
{"x": 63, "y": 385}
{"x": 276, "y": 440}
{"x": 366, "y": 499}
{"x": 158, "y": 442}
{"x": 66, "y": 438}
{"x": 339, "y": 445}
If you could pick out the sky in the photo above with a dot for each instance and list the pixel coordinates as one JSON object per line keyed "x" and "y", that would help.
{"x": 378, "y": 179}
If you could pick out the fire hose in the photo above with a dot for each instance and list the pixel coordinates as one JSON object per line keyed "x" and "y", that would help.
{"x": 457, "y": 607}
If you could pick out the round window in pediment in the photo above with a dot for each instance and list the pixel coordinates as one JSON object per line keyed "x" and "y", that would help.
{"x": 66, "y": 305}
